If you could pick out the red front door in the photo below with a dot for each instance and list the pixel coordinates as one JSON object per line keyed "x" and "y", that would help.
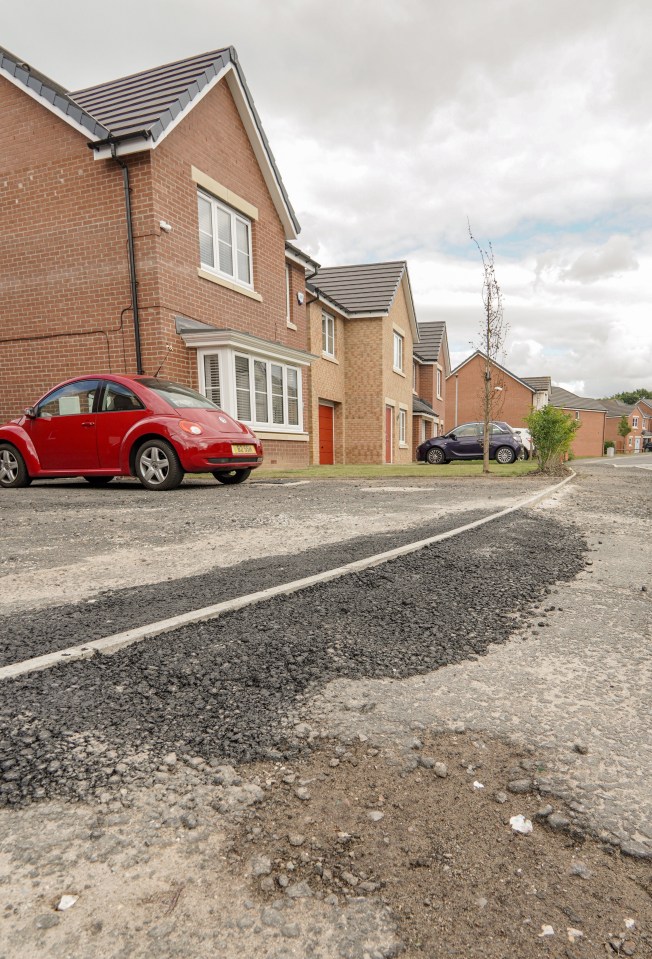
{"x": 325, "y": 435}
{"x": 389, "y": 433}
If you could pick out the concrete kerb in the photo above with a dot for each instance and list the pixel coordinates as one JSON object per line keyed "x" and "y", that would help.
{"x": 111, "y": 644}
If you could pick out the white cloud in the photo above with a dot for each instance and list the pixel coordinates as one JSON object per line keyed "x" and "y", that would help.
{"x": 615, "y": 257}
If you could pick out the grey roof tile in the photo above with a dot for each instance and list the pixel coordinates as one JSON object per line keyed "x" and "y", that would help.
{"x": 564, "y": 399}
{"x": 363, "y": 288}
{"x": 421, "y": 406}
{"x": 616, "y": 407}
{"x": 50, "y": 91}
{"x": 151, "y": 99}
{"x": 538, "y": 383}
{"x": 431, "y": 337}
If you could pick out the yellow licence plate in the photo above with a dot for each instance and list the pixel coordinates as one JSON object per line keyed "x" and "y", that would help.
{"x": 243, "y": 449}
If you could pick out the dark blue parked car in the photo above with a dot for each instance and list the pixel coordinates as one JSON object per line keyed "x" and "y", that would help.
{"x": 465, "y": 443}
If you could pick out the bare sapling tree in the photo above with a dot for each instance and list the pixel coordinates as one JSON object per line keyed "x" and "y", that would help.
{"x": 493, "y": 330}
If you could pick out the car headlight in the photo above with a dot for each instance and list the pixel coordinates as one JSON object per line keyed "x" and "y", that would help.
{"x": 189, "y": 427}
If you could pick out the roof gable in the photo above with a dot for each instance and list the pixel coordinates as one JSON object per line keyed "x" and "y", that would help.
{"x": 137, "y": 112}
{"x": 503, "y": 369}
{"x": 365, "y": 289}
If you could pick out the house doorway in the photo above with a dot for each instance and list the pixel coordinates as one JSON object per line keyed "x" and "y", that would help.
{"x": 389, "y": 433}
{"x": 326, "y": 443}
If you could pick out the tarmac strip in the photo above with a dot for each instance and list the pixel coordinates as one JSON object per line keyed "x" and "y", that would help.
{"x": 118, "y": 641}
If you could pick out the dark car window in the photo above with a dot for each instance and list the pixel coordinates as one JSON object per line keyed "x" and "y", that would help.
{"x": 119, "y": 399}
{"x": 70, "y": 400}
{"x": 180, "y": 397}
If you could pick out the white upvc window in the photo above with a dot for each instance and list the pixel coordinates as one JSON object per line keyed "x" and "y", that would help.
{"x": 266, "y": 393}
{"x": 398, "y": 352}
{"x": 414, "y": 377}
{"x": 328, "y": 334}
{"x": 635, "y": 422}
{"x": 402, "y": 426}
{"x": 288, "y": 316}
{"x": 224, "y": 240}
{"x": 438, "y": 384}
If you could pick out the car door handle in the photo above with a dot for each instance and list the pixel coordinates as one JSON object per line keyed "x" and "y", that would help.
{"x": 88, "y": 426}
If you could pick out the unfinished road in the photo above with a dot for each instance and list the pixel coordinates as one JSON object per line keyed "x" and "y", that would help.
{"x": 531, "y": 634}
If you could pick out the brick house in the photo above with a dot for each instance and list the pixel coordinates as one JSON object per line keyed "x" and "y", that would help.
{"x": 431, "y": 367}
{"x": 637, "y": 416}
{"x": 163, "y": 242}
{"x": 591, "y": 414}
{"x": 362, "y": 326}
{"x": 514, "y": 396}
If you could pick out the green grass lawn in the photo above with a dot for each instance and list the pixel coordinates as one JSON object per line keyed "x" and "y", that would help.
{"x": 409, "y": 471}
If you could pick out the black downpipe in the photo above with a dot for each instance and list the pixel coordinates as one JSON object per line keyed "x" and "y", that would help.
{"x": 132, "y": 257}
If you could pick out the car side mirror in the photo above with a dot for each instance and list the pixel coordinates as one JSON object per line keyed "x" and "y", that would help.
{"x": 30, "y": 412}
{"x": 451, "y": 436}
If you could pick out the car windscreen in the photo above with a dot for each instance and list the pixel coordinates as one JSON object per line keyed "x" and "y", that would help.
{"x": 180, "y": 397}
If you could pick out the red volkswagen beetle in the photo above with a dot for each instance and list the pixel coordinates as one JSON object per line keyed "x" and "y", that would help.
{"x": 103, "y": 426}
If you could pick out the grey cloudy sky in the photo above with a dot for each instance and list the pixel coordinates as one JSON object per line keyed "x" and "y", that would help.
{"x": 392, "y": 122}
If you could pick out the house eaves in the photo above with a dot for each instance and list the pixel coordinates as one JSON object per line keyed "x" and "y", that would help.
{"x": 50, "y": 95}
{"x": 564, "y": 399}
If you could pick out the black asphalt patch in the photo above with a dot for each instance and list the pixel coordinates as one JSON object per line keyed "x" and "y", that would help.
{"x": 223, "y": 689}
{"x": 36, "y": 632}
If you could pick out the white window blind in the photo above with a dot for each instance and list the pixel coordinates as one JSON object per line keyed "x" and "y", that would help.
{"x": 224, "y": 240}
{"x": 398, "y": 352}
{"x": 212, "y": 378}
{"x": 243, "y": 388}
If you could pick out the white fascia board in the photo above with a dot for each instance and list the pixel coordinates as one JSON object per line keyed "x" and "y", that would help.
{"x": 405, "y": 279}
{"x": 248, "y": 344}
{"x": 50, "y": 106}
{"x": 325, "y": 301}
{"x": 260, "y": 151}
{"x": 124, "y": 148}
{"x": 295, "y": 259}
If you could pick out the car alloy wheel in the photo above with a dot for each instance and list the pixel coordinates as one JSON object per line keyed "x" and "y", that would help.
{"x": 435, "y": 456}
{"x": 157, "y": 466}
{"x": 13, "y": 472}
{"x": 505, "y": 455}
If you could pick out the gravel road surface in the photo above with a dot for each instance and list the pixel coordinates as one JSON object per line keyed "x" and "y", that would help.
{"x": 332, "y": 775}
{"x": 222, "y": 689}
{"x": 66, "y": 542}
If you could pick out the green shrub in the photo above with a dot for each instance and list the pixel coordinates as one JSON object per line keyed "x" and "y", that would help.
{"x": 552, "y": 434}
{"x": 609, "y": 444}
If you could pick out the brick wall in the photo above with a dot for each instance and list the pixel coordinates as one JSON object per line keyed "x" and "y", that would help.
{"x": 589, "y": 439}
{"x": 396, "y": 386}
{"x": 511, "y": 404}
{"x": 64, "y": 272}
{"x": 363, "y": 376}
{"x": 328, "y": 382}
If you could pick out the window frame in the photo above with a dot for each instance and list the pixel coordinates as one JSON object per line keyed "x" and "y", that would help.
{"x": 399, "y": 340}
{"x": 270, "y": 423}
{"x": 634, "y": 422}
{"x": 234, "y": 216}
{"x": 439, "y": 382}
{"x": 327, "y": 321}
{"x": 402, "y": 427}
